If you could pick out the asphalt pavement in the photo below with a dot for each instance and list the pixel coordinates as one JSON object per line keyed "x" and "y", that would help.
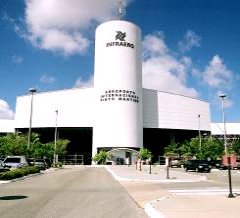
{"x": 71, "y": 192}
{"x": 145, "y": 188}
{"x": 148, "y": 188}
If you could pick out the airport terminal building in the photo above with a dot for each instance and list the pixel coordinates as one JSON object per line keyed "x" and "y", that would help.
{"x": 117, "y": 113}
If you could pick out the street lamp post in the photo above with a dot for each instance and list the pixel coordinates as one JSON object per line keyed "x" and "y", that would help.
{"x": 199, "y": 133}
{"x": 55, "y": 138}
{"x": 222, "y": 96}
{"x": 32, "y": 91}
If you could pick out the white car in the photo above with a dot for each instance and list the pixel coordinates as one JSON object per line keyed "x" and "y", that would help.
{"x": 15, "y": 161}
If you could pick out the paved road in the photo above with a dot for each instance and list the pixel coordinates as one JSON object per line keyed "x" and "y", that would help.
{"x": 184, "y": 194}
{"x": 217, "y": 184}
{"x": 201, "y": 199}
{"x": 79, "y": 192}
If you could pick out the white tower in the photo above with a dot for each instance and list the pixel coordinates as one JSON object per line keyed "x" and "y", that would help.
{"x": 118, "y": 86}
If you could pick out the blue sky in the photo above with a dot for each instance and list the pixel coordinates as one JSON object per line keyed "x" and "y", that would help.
{"x": 189, "y": 47}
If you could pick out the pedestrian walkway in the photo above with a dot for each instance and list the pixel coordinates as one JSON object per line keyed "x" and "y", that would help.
{"x": 146, "y": 190}
{"x": 157, "y": 173}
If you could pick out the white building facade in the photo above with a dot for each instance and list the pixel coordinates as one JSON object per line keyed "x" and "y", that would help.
{"x": 117, "y": 112}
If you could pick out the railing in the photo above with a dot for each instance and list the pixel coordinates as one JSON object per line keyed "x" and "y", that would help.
{"x": 161, "y": 160}
{"x": 75, "y": 159}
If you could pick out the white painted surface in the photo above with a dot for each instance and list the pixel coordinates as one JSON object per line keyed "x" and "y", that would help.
{"x": 75, "y": 109}
{"x": 118, "y": 123}
{"x": 7, "y": 126}
{"x": 171, "y": 111}
{"x": 231, "y": 128}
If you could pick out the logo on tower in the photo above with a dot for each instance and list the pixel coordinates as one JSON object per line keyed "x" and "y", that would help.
{"x": 120, "y": 41}
{"x": 120, "y": 36}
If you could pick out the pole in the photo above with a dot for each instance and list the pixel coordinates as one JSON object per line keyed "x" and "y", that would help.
{"x": 55, "y": 138}
{"x": 168, "y": 177}
{"x": 32, "y": 91}
{"x": 199, "y": 133}
{"x": 224, "y": 123}
{"x": 150, "y": 167}
{"x": 230, "y": 179}
{"x": 222, "y": 96}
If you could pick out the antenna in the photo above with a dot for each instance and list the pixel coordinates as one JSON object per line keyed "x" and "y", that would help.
{"x": 120, "y": 9}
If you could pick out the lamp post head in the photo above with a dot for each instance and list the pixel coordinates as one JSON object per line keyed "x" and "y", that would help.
{"x": 222, "y": 96}
{"x": 32, "y": 90}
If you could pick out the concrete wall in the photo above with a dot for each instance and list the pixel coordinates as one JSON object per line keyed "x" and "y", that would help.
{"x": 231, "y": 129}
{"x": 75, "y": 109}
{"x": 118, "y": 86}
{"x": 171, "y": 111}
{"x": 7, "y": 126}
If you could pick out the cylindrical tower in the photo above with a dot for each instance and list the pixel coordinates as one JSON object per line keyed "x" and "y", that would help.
{"x": 118, "y": 86}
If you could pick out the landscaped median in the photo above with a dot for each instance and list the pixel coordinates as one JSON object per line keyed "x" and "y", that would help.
{"x": 18, "y": 173}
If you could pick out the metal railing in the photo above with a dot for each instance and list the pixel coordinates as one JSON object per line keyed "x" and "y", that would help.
{"x": 75, "y": 159}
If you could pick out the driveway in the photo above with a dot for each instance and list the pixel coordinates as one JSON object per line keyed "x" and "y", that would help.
{"x": 73, "y": 192}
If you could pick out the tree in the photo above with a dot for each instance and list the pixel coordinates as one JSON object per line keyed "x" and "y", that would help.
{"x": 172, "y": 150}
{"x": 145, "y": 154}
{"x": 61, "y": 146}
{"x": 47, "y": 150}
{"x": 101, "y": 157}
{"x": 236, "y": 146}
{"x": 12, "y": 144}
{"x": 195, "y": 148}
{"x": 212, "y": 148}
{"x": 43, "y": 150}
{"x": 178, "y": 150}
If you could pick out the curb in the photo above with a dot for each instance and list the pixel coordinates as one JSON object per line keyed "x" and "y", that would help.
{"x": 173, "y": 180}
{"x": 19, "y": 179}
{"x": 152, "y": 212}
{"x": 26, "y": 177}
{"x": 148, "y": 208}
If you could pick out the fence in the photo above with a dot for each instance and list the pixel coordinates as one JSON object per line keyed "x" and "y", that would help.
{"x": 74, "y": 159}
{"x": 161, "y": 160}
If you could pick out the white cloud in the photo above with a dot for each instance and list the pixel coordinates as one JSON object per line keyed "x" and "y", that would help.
{"x": 17, "y": 59}
{"x": 219, "y": 79}
{"x": 5, "y": 111}
{"x": 154, "y": 45}
{"x": 62, "y": 26}
{"x": 228, "y": 103}
{"x": 47, "y": 79}
{"x": 216, "y": 74}
{"x": 190, "y": 40}
{"x": 162, "y": 70}
{"x": 84, "y": 84}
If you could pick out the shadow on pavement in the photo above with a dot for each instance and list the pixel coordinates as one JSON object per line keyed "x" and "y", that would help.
{"x": 13, "y": 197}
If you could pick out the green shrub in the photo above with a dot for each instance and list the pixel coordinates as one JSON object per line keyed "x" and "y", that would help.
{"x": 101, "y": 157}
{"x": 17, "y": 173}
{"x": 145, "y": 154}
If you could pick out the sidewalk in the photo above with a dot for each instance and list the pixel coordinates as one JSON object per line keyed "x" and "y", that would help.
{"x": 158, "y": 174}
{"x": 146, "y": 190}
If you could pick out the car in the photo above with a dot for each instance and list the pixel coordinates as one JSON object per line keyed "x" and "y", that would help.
{"x": 197, "y": 165}
{"x": 41, "y": 163}
{"x": 15, "y": 161}
{"x": 218, "y": 164}
{"x": 3, "y": 167}
{"x": 175, "y": 163}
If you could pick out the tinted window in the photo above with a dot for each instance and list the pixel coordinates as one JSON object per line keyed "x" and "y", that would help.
{"x": 12, "y": 160}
